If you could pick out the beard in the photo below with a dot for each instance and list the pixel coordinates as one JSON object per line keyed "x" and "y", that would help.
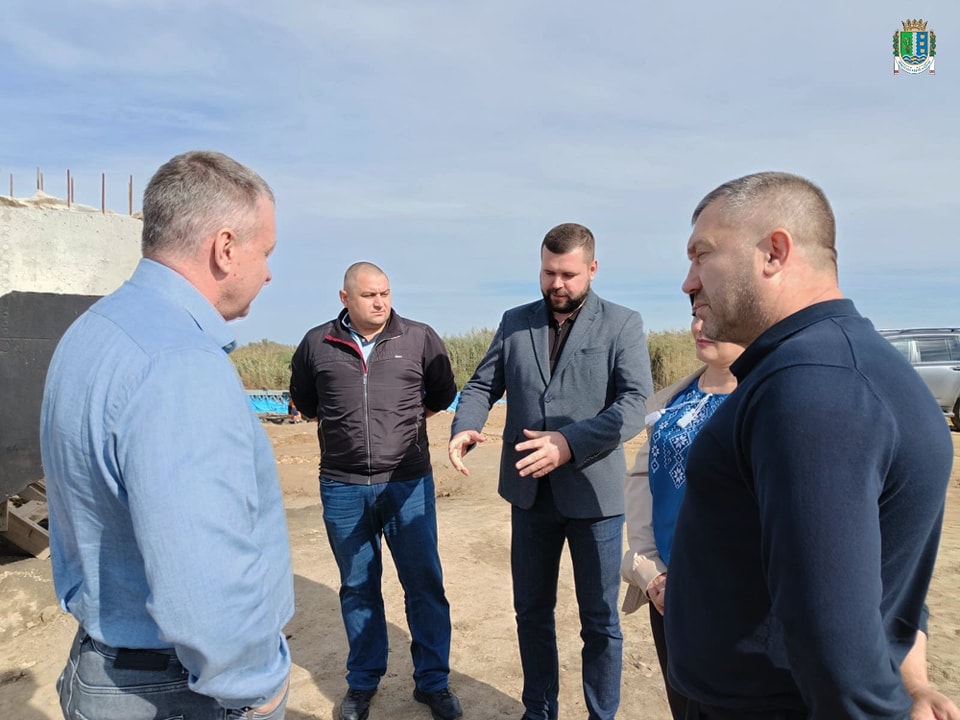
{"x": 736, "y": 315}
{"x": 565, "y": 305}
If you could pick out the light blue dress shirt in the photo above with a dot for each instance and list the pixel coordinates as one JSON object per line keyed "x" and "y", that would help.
{"x": 167, "y": 526}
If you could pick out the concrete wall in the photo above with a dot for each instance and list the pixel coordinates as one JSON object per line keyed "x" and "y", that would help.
{"x": 54, "y": 263}
{"x": 44, "y": 247}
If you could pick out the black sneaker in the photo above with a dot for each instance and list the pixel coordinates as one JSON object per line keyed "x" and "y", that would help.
{"x": 356, "y": 704}
{"x": 444, "y": 705}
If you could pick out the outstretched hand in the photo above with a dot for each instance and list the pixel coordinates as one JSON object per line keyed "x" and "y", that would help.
{"x": 460, "y": 445}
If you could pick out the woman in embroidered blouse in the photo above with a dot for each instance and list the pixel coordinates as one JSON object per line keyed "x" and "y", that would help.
{"x": 655, "y": 485}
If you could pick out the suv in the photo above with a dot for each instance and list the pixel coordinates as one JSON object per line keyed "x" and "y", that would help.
{"x": 935, "y": 353}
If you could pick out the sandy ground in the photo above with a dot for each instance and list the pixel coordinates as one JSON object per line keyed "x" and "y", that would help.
{"x": 474, "y": 542}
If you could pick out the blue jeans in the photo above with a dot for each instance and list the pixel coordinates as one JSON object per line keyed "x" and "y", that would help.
{"x": 538, "y": 536}
{"x": 404, "y": 514}
{"x": 91, "y": 688}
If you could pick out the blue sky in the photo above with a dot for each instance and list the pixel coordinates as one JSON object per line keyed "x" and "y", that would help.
{"x": 441, "y": 140}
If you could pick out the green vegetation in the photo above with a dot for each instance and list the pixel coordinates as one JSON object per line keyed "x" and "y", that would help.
{"x": 672, "y": 355}
{"x": 266, "y": 364}
{"x": 263, "y": 365}
{"x": 466, "y": 352}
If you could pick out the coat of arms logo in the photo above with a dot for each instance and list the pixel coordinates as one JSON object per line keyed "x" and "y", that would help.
{"x": 914, "y": 48}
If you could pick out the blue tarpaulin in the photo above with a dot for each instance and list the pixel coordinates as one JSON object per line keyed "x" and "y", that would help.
{"x": 269, "y": 401}
{"x": 275, "y": 401}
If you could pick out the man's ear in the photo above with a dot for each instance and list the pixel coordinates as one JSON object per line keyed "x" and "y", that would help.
{"x": 224, "y": 249}
{"x": 777, "y": 248}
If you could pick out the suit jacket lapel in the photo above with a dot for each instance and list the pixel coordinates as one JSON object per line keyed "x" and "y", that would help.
{"x": 540, "y": 337}
{"x": 581, "y": 330}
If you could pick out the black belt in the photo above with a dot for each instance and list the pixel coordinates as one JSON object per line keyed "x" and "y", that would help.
{"x": 130, "y": 659}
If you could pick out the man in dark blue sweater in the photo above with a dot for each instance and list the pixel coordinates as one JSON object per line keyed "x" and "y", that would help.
{"x": 807, "y": 538}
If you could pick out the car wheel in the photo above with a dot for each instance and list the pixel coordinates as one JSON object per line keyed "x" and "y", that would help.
{"x": 956, "y": 415}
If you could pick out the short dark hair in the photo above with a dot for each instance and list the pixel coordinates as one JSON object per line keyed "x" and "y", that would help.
{"x": 567, "y": 237}
{"x": 779, "y": 198}
{"x": 194, "y": 194}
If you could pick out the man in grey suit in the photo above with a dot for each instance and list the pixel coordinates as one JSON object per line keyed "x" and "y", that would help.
{"x": 576, "y": 373}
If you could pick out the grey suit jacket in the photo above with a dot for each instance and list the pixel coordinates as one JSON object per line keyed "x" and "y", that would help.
{"x": 595, "y": 398}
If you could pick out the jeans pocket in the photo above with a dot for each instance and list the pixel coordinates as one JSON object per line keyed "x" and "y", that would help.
{"x": 277, "y": 714}
{"x": 77, "y": 715}
{"x": 93, "y": 689}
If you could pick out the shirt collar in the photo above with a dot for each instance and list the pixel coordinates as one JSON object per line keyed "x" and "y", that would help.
{"x": 774, "y": 335}
{"x": 569, "y": 321}
{"x": 356, "y": 335}
{"x": 169, "y": 282}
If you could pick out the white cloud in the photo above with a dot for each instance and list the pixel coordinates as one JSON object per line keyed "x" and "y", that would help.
{"x": 443, "y": 139}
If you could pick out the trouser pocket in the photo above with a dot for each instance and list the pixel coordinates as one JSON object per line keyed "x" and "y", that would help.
{"x": 92, "y": 687}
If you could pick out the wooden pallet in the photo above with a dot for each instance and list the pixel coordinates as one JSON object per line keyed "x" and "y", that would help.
{"x": 23, "y": 521}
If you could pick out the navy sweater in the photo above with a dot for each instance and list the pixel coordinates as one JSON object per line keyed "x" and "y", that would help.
{"x": 807, "y": 538}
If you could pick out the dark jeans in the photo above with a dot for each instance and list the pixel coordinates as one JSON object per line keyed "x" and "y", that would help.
{"x": 404, "y": 514}
{"x": 538, "y": 536}
{"x": 92, "y": 688}
{"x": 678, "y": 702}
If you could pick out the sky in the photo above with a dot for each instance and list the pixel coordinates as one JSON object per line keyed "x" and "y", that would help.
{"x": 441, "y": 140}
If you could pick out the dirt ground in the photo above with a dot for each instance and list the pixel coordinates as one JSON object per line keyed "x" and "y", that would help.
{"x": 474, "y": 542}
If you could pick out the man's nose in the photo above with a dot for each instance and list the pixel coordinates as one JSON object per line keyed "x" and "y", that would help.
{"x": 691, "y": 283}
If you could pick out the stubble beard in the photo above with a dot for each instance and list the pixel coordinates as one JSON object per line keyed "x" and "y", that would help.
{"x": 738, "y": 316}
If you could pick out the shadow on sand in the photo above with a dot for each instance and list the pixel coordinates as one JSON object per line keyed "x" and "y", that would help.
{"x": 318, "y": 644}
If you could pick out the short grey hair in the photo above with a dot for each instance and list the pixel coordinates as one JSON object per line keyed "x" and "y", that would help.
{"x": 194, "y": 194}
{"x": 778, "y": 198}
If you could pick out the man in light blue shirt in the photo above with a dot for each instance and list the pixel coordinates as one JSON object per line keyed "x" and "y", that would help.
{"x": 167, "y": 528}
